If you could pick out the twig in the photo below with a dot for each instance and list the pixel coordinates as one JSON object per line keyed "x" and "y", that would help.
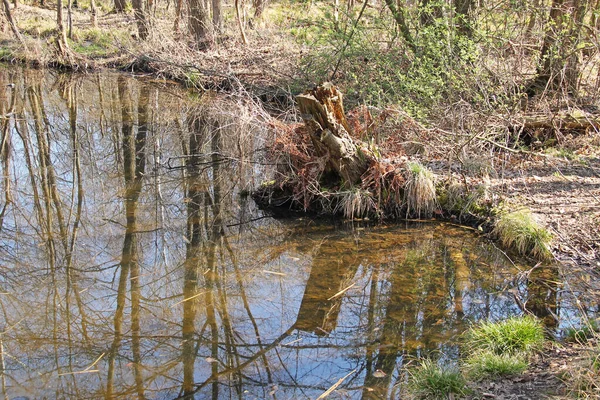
{"x": 341, "y": 292}
{"x": 335, "y": 386}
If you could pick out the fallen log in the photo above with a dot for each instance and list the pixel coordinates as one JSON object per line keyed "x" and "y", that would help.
{"x": 540, "y": 125}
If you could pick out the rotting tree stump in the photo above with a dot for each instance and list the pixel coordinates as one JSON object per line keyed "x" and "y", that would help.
{"x": 322, "y": 110}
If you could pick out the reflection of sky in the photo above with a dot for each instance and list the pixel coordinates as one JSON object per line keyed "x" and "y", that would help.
{"x": 422, "y": 271}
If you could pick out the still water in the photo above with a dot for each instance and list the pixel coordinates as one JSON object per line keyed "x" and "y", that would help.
{"x": 134, "y": 265}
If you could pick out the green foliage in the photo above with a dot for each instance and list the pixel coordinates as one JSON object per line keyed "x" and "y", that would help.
{"x": 430, "y": 381}
{"x": 375, "y": 65}
{"x": 487, "y": 364}
{"x": 518, "y": 230}
{"x": 514, "y": 336}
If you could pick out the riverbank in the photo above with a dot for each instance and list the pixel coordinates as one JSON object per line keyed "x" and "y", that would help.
{"x": 557, "y": 179}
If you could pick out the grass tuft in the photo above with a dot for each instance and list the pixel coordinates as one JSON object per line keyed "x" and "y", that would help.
{"x": 356, "y": 203}
{"x": 419, "y": 191}
{"x": 487, "y": 364}
{"x": 514, "y": 336}
{"x": 520, "y": 231}
{"x": 430, "y": 381}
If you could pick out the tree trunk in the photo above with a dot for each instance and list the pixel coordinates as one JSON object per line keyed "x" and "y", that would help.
{"x": 240, "y": 23}
{"x": 178, "y": 6}
{"x": 259, "y": 7}
{"x": 94, "y": 11}
{"x": 11, "y": 21}
{"x": 140, "y": 19}
{"x": 400, "y": 18}
{"x": 63, "y": 46}
{"x": 462, "y": 19}
{"x": 572, "y": 41}
{"x": 323, "y": 112}
{"x": 551, "y": 61}
{"x": 119, "y": 6}
{"x": 200, "y": 26}
{"x": 70, "y": 18}
{"x": 217, "y": 16}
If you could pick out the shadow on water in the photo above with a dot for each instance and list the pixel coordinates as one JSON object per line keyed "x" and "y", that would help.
{"x": 132, "y": 266}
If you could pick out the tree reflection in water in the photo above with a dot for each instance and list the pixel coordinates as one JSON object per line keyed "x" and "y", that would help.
{"x": 129, "y": 267}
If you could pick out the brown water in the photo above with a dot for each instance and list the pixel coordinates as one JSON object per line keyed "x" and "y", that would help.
{"x": 133, "y": 266}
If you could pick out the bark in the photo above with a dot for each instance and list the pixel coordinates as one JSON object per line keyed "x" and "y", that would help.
{"x": 558, "y": 43}
{"x": 575, "y": 120}
{"x": 178, "y": 7}
{"x": 323, "y": 113}
{"x": 119, "y": 6}
{"x": 200, "y": 26}
{"x": 63, "y": 47}
{"x": 94, "y": 11}
{"x": 400, "y": 18}
{"x": 140, "y": 18}
{"x": 217, "y": 15}
{"x": 463, "y": 21}
{"x": 240, "y": 23}
{"x": 259, "y": 7}
{"x": 572, "y": 41}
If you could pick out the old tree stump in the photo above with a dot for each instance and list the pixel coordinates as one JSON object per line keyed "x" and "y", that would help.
{"x": 322, "y": 110}
{"x": 321, "y": 167}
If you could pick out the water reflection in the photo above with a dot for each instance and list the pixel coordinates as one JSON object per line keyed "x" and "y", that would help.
{"x": 128, "y": 267}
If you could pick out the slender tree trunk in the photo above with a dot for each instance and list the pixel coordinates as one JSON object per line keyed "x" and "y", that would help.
{"x": 94, "y": 11}
{"x": 140, "y": 18}
{"x": 533, "y": 17}
{"x": 63, "y": 46}
{"x": 200, "y": 26}
{"x": 240, "y": 23}
{"x": 550, "y": 62}
{"x": 119, "y": 6}
{"x": 572, "y": 41}
{"x": 400, "y": 18}
{"x": 217, "y": 16}
{"x": 178, "y": 7}
{"x": 462, "y": 19}
{"x": 11, "y": 21}
{"x": 259, "y": 7}
{"x": 70, "y": 18}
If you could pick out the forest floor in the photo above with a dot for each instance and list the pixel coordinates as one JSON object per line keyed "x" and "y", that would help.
{"x": 562, "y": 189}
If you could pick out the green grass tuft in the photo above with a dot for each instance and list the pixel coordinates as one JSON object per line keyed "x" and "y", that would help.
{"x": 430, "y": 381}
{"x": 487, "y": 364}
{"x": 518, "y": 230}
{"x": 514, "y": 336}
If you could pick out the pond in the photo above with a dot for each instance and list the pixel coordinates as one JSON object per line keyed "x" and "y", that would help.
{"x": 133, "y": 264}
